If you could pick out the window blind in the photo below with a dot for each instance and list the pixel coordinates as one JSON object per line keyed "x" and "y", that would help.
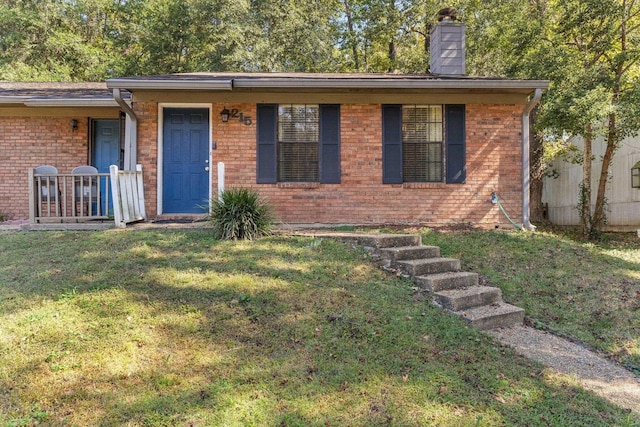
{"x": 422, "y": 159}
{"x": 298, "y": 142}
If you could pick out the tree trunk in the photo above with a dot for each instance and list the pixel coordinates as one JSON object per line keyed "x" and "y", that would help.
{"x": 536, "y": 173}
{"x": 392, "y": 56}
{"x": 585, "y": 189}
{"x": 427, "y": 43}
{"x": 352, "y": 35}
{"x": 599, "y": 216}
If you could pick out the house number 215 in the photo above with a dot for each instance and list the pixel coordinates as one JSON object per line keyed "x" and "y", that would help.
{"x": 235, "y": 114}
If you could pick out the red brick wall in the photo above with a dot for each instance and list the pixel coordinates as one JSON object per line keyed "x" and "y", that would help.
{"x": 493, "y": 164}
{"x": 147, "y": 114}
{"x": 27, "y": 142}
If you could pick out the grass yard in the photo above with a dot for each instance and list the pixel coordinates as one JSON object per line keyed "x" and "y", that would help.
{"x": 585, "y": 291}
{"x": 161, "y": 328}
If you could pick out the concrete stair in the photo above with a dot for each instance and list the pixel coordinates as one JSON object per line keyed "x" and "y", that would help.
{"x": 454, "y": 290}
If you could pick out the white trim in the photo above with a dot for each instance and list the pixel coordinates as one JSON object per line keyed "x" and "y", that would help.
{"x": 70, "y": 102}
{"x": 160, "y": 171}
{"x": 177, "y": 84}
{"x": 327, "y": 81}
{"x": 381, "y": 83}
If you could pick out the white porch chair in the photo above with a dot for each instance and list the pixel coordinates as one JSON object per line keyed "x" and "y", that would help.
{"x": 85, "y": 189}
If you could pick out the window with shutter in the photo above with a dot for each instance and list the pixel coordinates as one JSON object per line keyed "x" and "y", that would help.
{"x": 422, "y": 143}
{"x": 298, "y": 142}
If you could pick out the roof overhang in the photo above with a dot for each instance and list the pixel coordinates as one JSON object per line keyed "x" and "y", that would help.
{"x": 70, "y": 102}
{"x": 323, "y": 82}
{"x": 57, "y": 102}
{"x": 56, "y": 94}
{"x": 170, "y": 84}
{"x": 390, "y": 84}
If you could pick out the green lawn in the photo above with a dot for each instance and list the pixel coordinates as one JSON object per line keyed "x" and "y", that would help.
{"x": 586, "y": 291}
{"x": 160, "y": 328}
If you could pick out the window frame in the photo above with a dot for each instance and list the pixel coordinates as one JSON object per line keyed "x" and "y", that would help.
{"x": 454, "y": 143}
{"x": 425, "y": 171}
{"x": 309, "y": 135}
{"x": 329, "y": 144}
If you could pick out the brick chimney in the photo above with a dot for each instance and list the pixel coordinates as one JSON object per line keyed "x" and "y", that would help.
{"x": 447, "y": 46}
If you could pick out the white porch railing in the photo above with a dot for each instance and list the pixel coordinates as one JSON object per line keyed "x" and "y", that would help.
{"x": 60, "y": 197}
{"x": 66, "y": 197}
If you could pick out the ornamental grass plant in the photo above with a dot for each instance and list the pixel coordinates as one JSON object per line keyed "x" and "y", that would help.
{"x": 240, "y": 214}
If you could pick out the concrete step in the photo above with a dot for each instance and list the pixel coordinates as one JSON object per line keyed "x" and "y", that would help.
{"x": 409, "y": 252}
{"x": 449, "y": 280}
{"x": 374, "y": 241}
{"x": 390, "y": 240}
{"x": 420, "y": 267}
{"x": 493, "y": 316}
{"x": 463, "y": 299}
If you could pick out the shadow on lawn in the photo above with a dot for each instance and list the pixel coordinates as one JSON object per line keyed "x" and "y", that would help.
{"x": 305, "y": 333}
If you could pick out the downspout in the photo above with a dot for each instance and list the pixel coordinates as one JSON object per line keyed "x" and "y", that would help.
{"x": 526, "y": 198}
{"x": 130, "y": 132}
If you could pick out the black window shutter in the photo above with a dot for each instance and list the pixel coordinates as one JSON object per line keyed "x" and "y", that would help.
{"x": 266, "y": 157}
{"x": 391, "y": 144}
{"x": 330, "y": 144}
{"x": 455, "y": 136}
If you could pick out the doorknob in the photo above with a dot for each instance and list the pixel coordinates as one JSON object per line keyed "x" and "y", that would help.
{"x": 206, "y": 168}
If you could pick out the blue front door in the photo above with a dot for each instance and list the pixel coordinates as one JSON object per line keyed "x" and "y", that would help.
{"x": 185, "y": 183}
{"x": 106, "y": 152}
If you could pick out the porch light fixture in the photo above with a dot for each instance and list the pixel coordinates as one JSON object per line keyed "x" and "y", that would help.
{"x": 74, "y": 125}
{"x": 224, "y": 115}
{"x": 635, "y": 176}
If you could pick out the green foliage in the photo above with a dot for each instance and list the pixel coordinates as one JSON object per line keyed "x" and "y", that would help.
{"x": 562, "y": 149}
{"x": 240, "y": 214}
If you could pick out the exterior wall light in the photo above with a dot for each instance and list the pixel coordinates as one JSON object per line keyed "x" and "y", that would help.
{"x": 74, "y": 125}
{"x": 635, "y": 176}
{"x": 224, "y": 115}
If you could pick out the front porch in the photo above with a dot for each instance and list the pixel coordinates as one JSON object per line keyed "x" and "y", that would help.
{"x": 84, "y": 198}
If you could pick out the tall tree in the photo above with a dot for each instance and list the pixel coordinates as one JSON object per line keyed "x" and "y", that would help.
{"x": 597, "y": 92}
{"x": 58, "y": 39}
{"x": 288, "y": 35}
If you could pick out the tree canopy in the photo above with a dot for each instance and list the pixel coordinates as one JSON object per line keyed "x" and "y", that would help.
{"x": 80, "y": 40}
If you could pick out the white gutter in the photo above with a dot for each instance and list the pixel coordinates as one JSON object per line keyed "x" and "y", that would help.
{"x": 526, "y": 179}
{"x": 381, "y": 83}
{"x": 13, "y": 99}
{"x": 265, "y": 82}
{"x": 70, "y": 102}
{"x": 163, "y": 84}
{"x": 130, "y": 132}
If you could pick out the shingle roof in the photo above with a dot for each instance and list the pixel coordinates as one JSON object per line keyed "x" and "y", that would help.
{"x": 38, "y": 93}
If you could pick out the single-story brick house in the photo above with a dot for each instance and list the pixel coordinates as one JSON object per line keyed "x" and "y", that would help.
{"x": 320, "y": 148}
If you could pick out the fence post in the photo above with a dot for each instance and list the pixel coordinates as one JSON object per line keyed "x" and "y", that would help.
{"x": 140, "y": 192}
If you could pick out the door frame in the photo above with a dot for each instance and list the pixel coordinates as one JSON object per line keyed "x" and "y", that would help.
{"x": 159, "y": 168}
{"x": 92, "y": 142}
